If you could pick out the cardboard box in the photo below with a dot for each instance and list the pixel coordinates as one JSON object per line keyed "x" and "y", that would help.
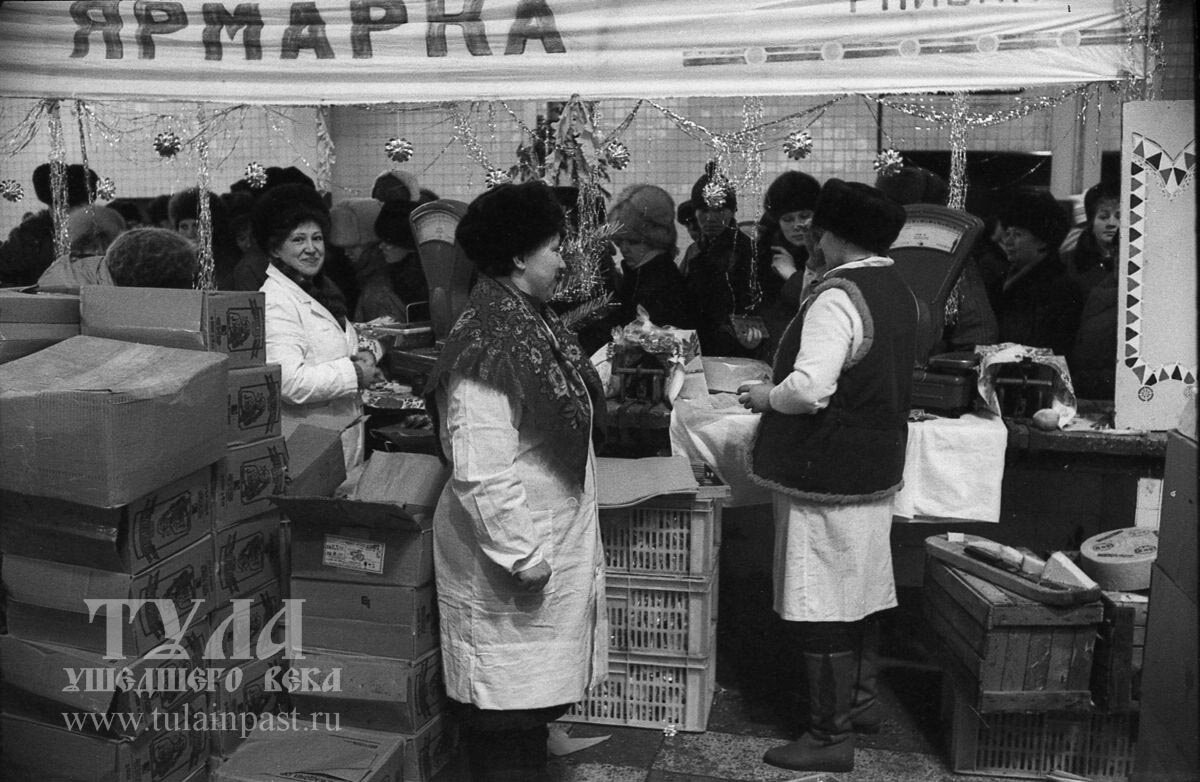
{"x": 46, "y": 680}
{"x": 1120, "y": 646}
{"x": 381, "y": 536}
{"x": 12, "y": 349}
{"x": 36, "y": 750}
{"x": 19, "y": 305}
{"x": 252, "y": 697}
{"x": 300, "y": 752}
{"x": 1010, "y": 653}
{"x": 383, "y": 620}
{"x": 1170, "y": 679}
{"x": 125, "y": 539}
{"x": 47, "y": 601}
{"x": 227, "y": 322}
{"x": 253, "y": 403}
{"x": 246, "y": 477}
{"x": 316, "y": 465}
{"x": 429, "y": 751}
{"x": 100, "y": 422}
{"x": 247, "y": 556}
{"x": 378, "y": 692}
{"x": 266, "y": 601}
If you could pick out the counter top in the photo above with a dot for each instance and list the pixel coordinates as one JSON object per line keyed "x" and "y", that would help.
{"x": 1023, "y": 436}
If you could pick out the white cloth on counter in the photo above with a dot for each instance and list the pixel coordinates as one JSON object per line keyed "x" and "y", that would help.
{"x": 953, "y": 467}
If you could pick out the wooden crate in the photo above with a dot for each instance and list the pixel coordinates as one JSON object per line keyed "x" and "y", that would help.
{"x": 1010, "y": 653}
{"x": 1120, "y": 641}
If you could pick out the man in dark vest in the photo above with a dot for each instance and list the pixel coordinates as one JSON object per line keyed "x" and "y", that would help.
{"x": 831, "y": 446}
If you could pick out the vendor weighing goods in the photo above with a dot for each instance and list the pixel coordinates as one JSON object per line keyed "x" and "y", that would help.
{"x": 100, "y": 422}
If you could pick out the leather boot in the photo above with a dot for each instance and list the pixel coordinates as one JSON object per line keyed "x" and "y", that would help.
{"x": 866, "y": 715}
{"x": 828, "y": 744}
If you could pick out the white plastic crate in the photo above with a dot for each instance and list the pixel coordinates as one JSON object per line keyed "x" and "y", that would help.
{"x": 667, "y": 535}
{"x": 657, "y": 616}
{"x": 651, "y": 692}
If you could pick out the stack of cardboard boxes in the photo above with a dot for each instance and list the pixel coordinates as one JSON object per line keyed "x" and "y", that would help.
{"x": 106, "y": 457}
{"x": 364, "y": 569}
{"x": 30, "y": 322}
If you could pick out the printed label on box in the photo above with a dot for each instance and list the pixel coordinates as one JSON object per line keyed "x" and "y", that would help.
{"x": 352, "y": 554}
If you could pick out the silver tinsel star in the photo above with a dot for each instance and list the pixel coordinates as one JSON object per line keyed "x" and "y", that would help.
{"x": 398, "y": 150}
{"x": 888, "y": 162}
{"x": 167, "y": 144}
{"x": 798, "y": 145}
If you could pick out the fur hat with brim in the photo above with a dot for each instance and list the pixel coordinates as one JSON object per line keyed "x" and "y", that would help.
{"x": 396, "y": 185}
{"x": 792, "y": 191}
{"x": 859, "y": 214}
{"x": 352, "y": 222}
{"x": 507, "y": 221}
{"x": 644, "y": 213}
{"x": 79, "y": 181}
{"x": 1038, "y": 212}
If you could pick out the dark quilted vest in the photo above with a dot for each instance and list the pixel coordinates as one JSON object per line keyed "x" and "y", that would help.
{"x": 853, "y": 450}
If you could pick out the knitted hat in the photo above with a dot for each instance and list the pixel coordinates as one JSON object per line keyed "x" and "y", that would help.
{"x": 914, "y": 185}
{"x": 508, "y": 221}
{"x": 1039, "y": 213}
{"x": 644, "y": 213}
{"x": 152, "y": 258}
{"x": 792, "y": 191}
{"x": 392, "y": 225}
{"x": 352, "y": 222}
{"x": 90, "y": 226}
{"x": 79, "y": 182}
{"x": 859, "y": 214}
{"x": 396, "y": 185}
{"x": 730, "y": 195}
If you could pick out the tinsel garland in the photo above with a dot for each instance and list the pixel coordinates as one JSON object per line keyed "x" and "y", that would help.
{"x": 325, "y": 151}
{"x": 205, "y": 276}
{"x": 58, "y": 181}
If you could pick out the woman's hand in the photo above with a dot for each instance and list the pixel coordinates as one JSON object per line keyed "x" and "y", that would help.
{"x": 533, "y": 579}
{"x": 782, "y": 262}
{"x": 367, "y": 370}
{"x": 755, "y": 396}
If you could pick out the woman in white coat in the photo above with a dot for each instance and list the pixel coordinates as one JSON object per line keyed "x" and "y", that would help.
{"x": 322, "y": 362}
{"x": 517, "y": 553}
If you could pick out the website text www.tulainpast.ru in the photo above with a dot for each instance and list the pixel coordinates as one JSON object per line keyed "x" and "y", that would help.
{"x": 188, "y": 719}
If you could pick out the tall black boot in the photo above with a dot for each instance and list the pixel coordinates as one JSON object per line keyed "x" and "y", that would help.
{"x": 866, "y": 715}
{"x": 828, "y": 744}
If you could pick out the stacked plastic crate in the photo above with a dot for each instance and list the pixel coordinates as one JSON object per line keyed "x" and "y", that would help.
{"x": 661, "y": 566}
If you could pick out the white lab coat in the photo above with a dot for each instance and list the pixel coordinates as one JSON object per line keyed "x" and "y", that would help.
{"x": 833, "y": 563}
{"x": 503, "y": 511}
{"x": 319, "y": 385}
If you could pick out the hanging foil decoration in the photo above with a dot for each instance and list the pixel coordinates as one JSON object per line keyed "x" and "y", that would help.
{"x": 798, "y": 145}
{"x": 497, "y": 177}
{"x": 398, "y": 150}
{"x": 83, "y": 148}
{"x": 714, "y": 193}
{"x": 616, "y": 154}
{"x": 255, "y": 175}
{"x": 58, "y": 181}
{"x": 167, "y": 144}
{"x": 888, "y": 162}
{"x": 11, "y": 190}
{"x": 106, "y": 189}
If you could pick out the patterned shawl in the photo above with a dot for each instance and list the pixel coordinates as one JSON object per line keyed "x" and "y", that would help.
{"x": 518, "y": 346}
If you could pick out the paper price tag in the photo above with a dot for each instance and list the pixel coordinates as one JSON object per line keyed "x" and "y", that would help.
{"x": 364, "y": 556}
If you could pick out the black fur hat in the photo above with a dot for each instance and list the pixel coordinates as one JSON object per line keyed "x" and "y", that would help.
{"x": 79, "y": 182}
{"x": 1038, "y": 212}
{"x": 792, "y": 191}
{"x": 859, "y": 214}
{"x": 281, "y": 209}
{"x": 914, "y": 185}
{"x": 509, "y": 221}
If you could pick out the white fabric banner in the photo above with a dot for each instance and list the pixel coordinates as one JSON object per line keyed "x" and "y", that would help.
{"x": 369, "y": 51}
